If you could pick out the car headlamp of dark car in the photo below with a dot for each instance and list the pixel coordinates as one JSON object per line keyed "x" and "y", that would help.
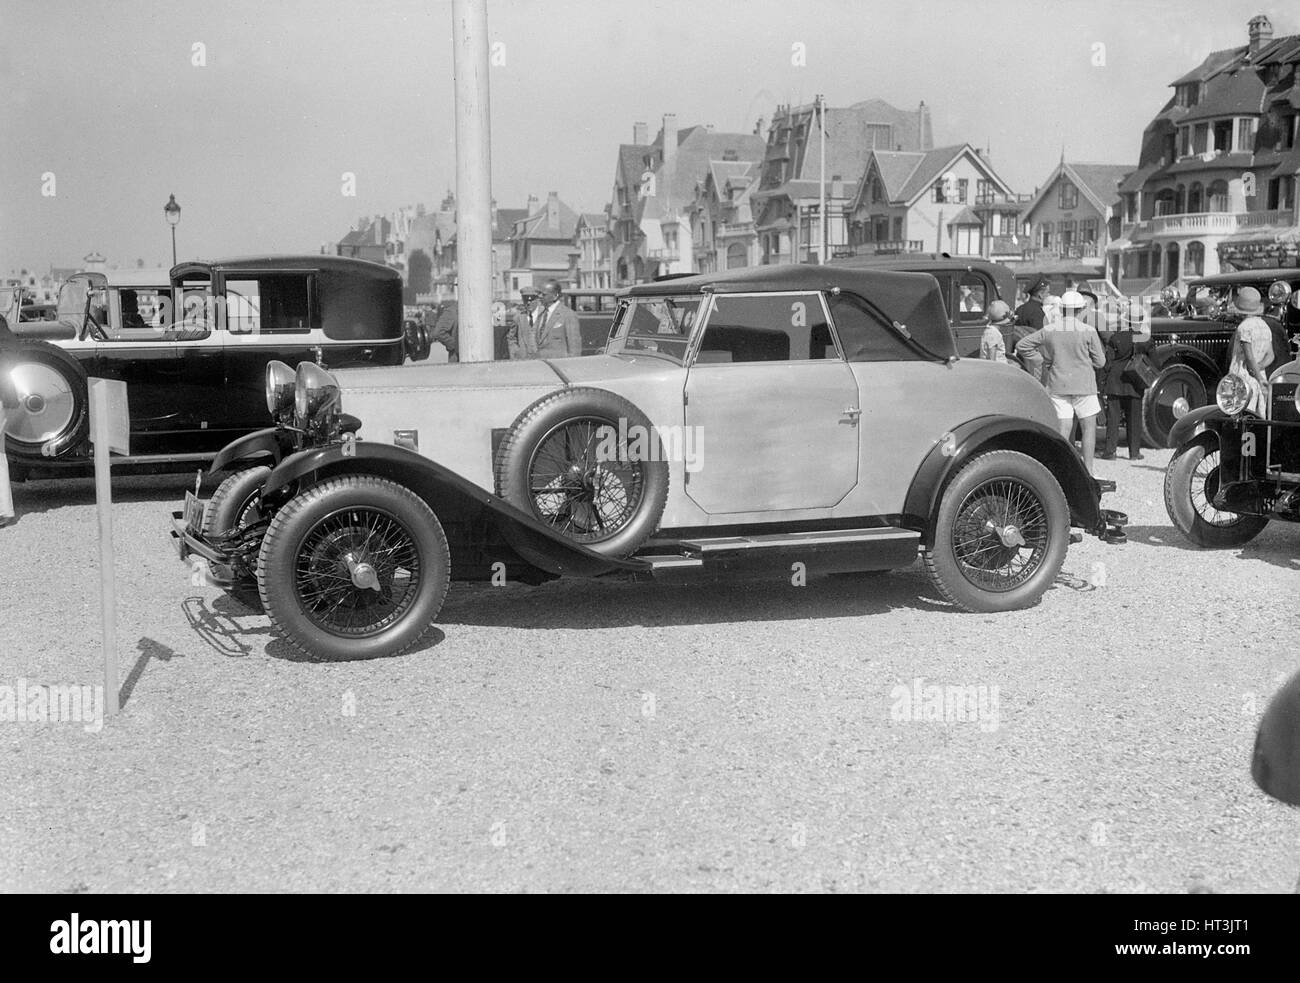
{"x": 1232, "y": 394}
{"x": 281, "y": 381}
{"x": 316, "y": 394}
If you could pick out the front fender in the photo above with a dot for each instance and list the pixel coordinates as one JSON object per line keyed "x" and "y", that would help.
{"x": 449, "y": 496}
{"x": 1175, "y": 353}
{"x": 269, "y": 442}
{"x": 988, "y": 433}
{"x": 1197, "y": 421}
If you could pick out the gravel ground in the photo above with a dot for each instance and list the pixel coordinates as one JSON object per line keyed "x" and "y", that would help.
{"x": 580, "y": 736}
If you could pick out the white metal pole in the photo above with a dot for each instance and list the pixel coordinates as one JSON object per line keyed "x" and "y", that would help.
{"x": 825, "y": 237}
{"x": 473, "y": 180}
{"x": 99, "y": 421}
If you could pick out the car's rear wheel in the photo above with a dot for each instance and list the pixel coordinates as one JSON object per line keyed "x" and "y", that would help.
{"x": 589, "y": 464}
{"x": 52, "y": 416}
{"x": 1001, "y": 534}
{"x": 1177, "y": 390}
{"x": 1191, "y": 482}
{"x": 356, "y": 567}
{"x": 236, "y": 502}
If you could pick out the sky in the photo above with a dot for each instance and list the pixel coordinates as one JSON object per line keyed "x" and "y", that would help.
{"x": 106, "y": 98}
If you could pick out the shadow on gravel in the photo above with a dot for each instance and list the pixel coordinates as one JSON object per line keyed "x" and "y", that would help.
{"x": 43, "y": 496}
{"x": 149, "y": 649}
{"x": 1280, "y": 553}
{"x": 584, "y": 604}
{"x": 234, "y": 625}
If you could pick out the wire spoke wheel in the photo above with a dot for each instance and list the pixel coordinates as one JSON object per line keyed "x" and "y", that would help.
{"x": 1204, "y": 486}
{"x": 1000, "y": 534}
{"x": 580, "y": 489}
{"x": 357, "y": 572}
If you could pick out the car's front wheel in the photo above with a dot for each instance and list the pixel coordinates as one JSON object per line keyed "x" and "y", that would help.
{"x": 1191, "y": 482}
{"x": 1001, "y": 534}
{"x": 236, "y": 502}
{"x": 356, "y": 567}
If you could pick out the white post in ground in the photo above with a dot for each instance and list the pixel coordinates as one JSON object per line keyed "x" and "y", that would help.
{"x": 473, "y": 180}
{"x": 110, "y": 431}
{"x": 821, "y": 207}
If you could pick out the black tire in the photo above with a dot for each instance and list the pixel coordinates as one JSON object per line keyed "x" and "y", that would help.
{"x": 410, "y": 340}
{"x": 975, "y": 562}
{"x": 236, "y": 502}
{"x": 304, "y": 565}
{"x": 1162, "y": 403}
{"x": 425, "y": 345}
{"x": 53, "y": 417}
{"x": 1191, "y": 482}
{"x": 611, "y": 507}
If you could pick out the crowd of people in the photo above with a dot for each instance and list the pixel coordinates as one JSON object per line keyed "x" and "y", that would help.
{"x": 1087, "y": 375}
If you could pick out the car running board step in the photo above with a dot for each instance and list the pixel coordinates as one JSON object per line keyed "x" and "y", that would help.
{"x": 800, "y": 540}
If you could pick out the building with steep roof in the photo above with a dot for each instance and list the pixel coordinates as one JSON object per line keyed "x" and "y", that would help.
{"x": 590, "y": 253}
{"x": 655, "y": 186}
{"x": 1073, "y": 217}
{"x": 1215, "y": 184}
{"x": 723, "y": 236}
{"x": 914, "y": 201}
{"x": 540, "y": 244}
{"x": 787, "y": 199}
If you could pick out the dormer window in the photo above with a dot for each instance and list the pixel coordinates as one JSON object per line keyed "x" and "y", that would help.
{"x": 1187, "y": 95}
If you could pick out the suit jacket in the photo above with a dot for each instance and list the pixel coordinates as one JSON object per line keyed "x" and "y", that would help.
{"x": 560, "y": 335}
{"x": 525, "y": 340}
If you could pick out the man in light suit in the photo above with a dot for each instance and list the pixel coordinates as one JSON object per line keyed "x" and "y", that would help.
{"x": 558, "y": 332}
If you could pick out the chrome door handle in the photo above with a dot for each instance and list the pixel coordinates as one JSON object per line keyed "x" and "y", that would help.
{"x": 851, "y": 414}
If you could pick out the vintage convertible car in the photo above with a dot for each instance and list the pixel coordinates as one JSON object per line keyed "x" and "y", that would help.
{"x": 1233, "y": 471}
{"x": 192, "y": 346}
{"x": 776, "y": 421}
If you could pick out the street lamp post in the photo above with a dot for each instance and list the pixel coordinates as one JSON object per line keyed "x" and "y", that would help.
{"x": 173, "y": 213}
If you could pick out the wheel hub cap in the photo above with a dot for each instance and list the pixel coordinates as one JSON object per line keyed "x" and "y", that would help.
{"x": 363, "y": 574}
{"x": 45, "y": 404}
{"x": 1009, "y": 534}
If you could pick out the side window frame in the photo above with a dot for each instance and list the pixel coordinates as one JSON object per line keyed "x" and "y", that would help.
{"x": 710, "y": 309}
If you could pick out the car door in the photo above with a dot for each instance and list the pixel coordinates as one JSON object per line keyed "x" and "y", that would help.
{"x": 772, "y": 405}
{"x": 268, "y": 315}
{"x": 136, "y": 348}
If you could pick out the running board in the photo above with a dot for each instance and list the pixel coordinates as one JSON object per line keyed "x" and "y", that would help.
{"x": 881, "y": 535}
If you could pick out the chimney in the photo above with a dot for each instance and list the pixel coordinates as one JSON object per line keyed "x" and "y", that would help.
{"x": 670, "y": 136}
{"x": 532, "y": 204}
{"x": 1261, "y": 32}
{"x": 758, "y": 127}
{"x": 553, "y": 211}
{"x": 640, "y": 134}
{"x": 837, "y": 186}
{"x": 923, "y": 131}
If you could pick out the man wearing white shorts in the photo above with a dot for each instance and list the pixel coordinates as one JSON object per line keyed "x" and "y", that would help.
{"x": 1070, "y": 352}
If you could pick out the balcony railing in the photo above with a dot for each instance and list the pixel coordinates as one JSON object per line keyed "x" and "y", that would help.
{"x": 1083, "y": 251}
{"x": 737, "y": 228}
{"x": 663, "y": 255}
{"x": 997, "y": 199}
{"x": 1214, "y": 222}
{"x": 885, "y": 247}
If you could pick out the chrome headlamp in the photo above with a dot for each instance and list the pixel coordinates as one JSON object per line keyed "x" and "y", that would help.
{"x": 1278, "y": 292}
{"x": 315, "y": 391}
{"x": 1170, "y": 296}
{"x": 280, "y": 384}
{"x": 1232, "y": 395}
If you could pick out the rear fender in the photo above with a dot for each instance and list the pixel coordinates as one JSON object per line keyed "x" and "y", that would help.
{"x": 450, "y": 496}
{"x": 1043, "y": 444}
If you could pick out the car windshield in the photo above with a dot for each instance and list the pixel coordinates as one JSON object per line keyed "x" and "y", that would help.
{"x": 72, "y": 299}
{"x": 658, "y": 325}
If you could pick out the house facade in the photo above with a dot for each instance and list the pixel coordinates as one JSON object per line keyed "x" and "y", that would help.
{"x": 655, "y": 188}
{"x": 540, "y": 245}
{"x": 591, "y": 268}
{"x": 1215, "y": 184}
{"x": 912, "y": 202}
{"x": 723, "y": 235}
{"x": 1074, "y": 217}
{"x": 787, "y": 200}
